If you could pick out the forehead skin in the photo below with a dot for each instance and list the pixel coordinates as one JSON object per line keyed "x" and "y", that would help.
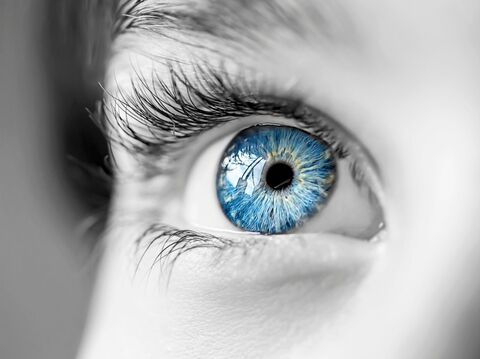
{"x": 402, "y": 76}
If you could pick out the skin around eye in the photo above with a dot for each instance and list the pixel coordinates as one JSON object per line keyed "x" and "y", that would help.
{"x": 272, "y": 178}
{"x": 348, "y": 206}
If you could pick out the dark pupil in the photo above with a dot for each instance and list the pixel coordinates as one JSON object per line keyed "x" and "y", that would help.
{"x": 279, "y": 176}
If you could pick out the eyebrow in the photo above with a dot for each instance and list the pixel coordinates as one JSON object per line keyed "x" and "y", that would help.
{"x": 246, "y": 21}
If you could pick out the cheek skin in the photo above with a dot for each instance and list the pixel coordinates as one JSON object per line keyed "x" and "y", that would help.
{"x": 216, "y": 303}
{"x": 424, "y": 281}
{"x": 436, "y": 233}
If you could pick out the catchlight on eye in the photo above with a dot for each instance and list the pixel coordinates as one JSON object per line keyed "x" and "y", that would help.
{"x": 272, "y": 178}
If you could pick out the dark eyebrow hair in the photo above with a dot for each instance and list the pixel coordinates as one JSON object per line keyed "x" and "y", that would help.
{"x": 236, "y": 20}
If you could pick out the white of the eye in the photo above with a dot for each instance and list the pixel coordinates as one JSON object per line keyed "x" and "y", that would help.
{"x": 200, "y": 204}
{"x": 348, "y": 210}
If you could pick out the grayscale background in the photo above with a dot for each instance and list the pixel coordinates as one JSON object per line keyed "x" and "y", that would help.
{"x": 44, "y": 280}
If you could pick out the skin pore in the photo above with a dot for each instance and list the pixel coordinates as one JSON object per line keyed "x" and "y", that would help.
{"x": 402, "y": 80}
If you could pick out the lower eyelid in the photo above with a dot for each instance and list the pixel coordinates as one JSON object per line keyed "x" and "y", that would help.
{"x": 162, "y": 246}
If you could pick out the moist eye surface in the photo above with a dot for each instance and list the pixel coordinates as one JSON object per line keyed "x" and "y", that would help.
{"x": 272, "y": 178}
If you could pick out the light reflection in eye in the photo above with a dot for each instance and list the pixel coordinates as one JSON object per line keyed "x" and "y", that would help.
{"x": 274, "y": 177}
{"x": 246, "y": 173}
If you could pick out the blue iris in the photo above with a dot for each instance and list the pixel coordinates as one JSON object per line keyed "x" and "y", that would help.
{"x": 272, "y": 178}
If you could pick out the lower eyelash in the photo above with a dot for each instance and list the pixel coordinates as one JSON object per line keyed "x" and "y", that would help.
{"x": 173, "y": 243}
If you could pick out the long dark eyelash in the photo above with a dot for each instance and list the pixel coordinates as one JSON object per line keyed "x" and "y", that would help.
{"x": 174, "y": 242}
{"x": 164, "y": 113}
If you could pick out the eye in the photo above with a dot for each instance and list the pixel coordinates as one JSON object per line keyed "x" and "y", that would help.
{"x": 272, "y": 178}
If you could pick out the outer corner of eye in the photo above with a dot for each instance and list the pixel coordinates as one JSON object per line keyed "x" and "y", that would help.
{"x": 275, "y": 179}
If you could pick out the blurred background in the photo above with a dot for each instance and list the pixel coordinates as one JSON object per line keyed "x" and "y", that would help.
{"x": 49, "y": 150}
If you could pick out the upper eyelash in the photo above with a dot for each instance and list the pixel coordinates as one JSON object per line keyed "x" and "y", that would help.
{"x": 178, "y": 108}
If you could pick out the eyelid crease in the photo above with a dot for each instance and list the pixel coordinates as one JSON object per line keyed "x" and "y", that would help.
{"x": 158, "y": 115}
